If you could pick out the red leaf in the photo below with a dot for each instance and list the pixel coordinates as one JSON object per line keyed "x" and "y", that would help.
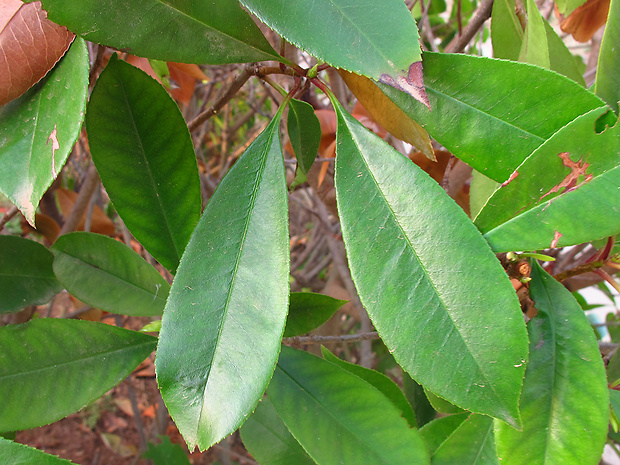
{"x": 30, "y": 45}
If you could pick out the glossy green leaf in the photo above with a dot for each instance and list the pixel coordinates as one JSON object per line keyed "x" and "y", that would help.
{"x": 534, "y": 48}
{"x": 565, "y": 404}
{"x": 268, "y": 439}
{"x": 441, "y": 405}
{"x": 608, "y": 68}
{"x": 561, "y": 60}
{"x": 366, "y": 38}
{"x": 304, "y": 130}
{"x": 565, "y": 193}
{"x": 308, "y": 311}
{"x": 26, "y": 274}
{"x": 224, "y": 319}
{"x": 50, "y": 368}
{"x": 472, "y": 443}
{"x": 186, "y": 31}
{"x": 613, "y": 369}
{"x": 13, "y": 453}
{"x": 506, "y": 30}
{"x": 37, "y": 130}
{"x": 614, "y": 400}
{"x": 480, "y": 190}
{"x": 166, "y": 453}
{"x": 437, "y": 431}
{"x": 380, "y": 382}
{"x": 358, "y": 424}
{"x": 106, "y": 274}
{"x": 144, "y": 154}
{"x": 566, "y": 7}
{"x": 492, "y": 113}
{"x": 416, "y": 260}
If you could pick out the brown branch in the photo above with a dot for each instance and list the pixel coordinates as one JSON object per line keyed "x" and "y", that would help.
{"x": 81, "y": 203}
{"x": 348, "y": 338}
{"x": 458, "y": 44}
{"x": 580, "y": 269}
{"x": 237, "y": 84}
{"x": 247, "y": 72}
{"x": 7, "y": 216}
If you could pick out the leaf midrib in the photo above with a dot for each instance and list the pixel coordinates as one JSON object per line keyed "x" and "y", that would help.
{"x": 56, "y": 366}
{"x": 217, "y": 31}
{"x": 330, "y": 412}
{"x": 426, "y": 274}
{"x": 226, "y": 306}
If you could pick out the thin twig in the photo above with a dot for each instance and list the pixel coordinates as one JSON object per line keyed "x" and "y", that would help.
{"x": 136, "y": 415}
{"x": 343, "y": 270}
{"x": 237, "y": 84}
{"x": 81, "y": 203}
{"x": 348, "y": 338}
{"x": 8, "y": 216}
{"x": 580, "y": 269}
{"x": 458, "y": 44}
{"x": 241, "y": 458}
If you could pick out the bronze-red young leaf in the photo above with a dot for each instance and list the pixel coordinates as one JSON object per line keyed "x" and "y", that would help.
{"x": 30, "y": 45}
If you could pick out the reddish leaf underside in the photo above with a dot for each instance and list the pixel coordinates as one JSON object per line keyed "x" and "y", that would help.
{"x": 30, "y": 45}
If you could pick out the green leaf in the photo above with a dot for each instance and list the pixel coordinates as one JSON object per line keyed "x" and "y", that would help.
{"x": 441, "y": 405}
{"x": 26, "y": 274}
{"x": 416, "y": 260}
{"x": 380, "y": 382}
{"x": 534, "y": 48}
{"x": 106, "y": 274}
{"x": 424, "y": 411}
{"x": 481, "y": 189}
{"x": 144, "y": 154}
{"x": 565, "y": 404}
{"x": 372, "y": 39}
{"x": 613, "y": 368}
{"x": 506, "y": 30}
{"x": 166, "y": 453}
{"x": 308, "y": 311}
{"x": 304, "y": 131}
{"x": 223, "y": 322}
{"x": 566, "y": 7}
{"x": 476, "y": 99}
{"x": 561, "y": 60}
{"x": 268, "y": 439}
{"x": 565, "y": 193}
{"x": 437, "y": 431}
{"x": 13, "y": 453}
{"x": 37, "y": 130}
{"x": 51, "y": 368}
{"x": 472, "y": 442}
{"x": 186, "y": 31}
{"x": 614, "y": 399}
{"x": 608, "y": 68}
{"x": 357, "y": 423}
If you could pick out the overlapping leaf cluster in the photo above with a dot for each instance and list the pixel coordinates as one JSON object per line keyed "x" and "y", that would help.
{"x": 426, "y": 273}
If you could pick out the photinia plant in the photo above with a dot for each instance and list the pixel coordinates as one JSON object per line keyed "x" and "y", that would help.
{"x": 497, "y": 363}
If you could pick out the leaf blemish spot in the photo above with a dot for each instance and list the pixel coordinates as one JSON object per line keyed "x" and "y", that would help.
{"x": 411, "y": 83}
{"x": 569, "y": 183}
{"x": 514, "y": 174}
{"x": 55, "y": 146}
{"x": 556, "y": 238}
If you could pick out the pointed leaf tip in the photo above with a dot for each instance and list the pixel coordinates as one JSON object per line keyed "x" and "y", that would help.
{"x": 411, "y": 83}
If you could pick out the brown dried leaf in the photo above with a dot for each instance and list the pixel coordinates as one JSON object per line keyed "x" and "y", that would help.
{"x": 30, "y": 45}
{"x": 586, "y": 19}
{"x": 387, "y": 114}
